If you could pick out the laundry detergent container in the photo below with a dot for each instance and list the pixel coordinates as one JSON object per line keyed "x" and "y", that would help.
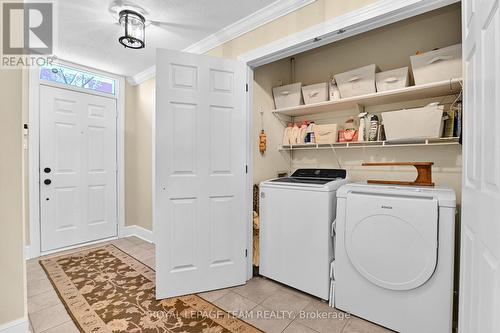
{"x": 288, "y": 96}
{"x": 393, "y": 79}
{"x": 438, "y": 65}
{"x": 419, "y": 123}
{"x": 315, "y": 93}
{"x": 359, "y": 81}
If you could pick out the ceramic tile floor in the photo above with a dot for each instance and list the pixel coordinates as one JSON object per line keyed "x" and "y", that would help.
{"x": 270, "y": 306}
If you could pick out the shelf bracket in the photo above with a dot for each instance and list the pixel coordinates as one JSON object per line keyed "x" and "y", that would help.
{"x": 336, "y": 156}
{"x": 284, "y": 120}
{"x": 360, "y": 107}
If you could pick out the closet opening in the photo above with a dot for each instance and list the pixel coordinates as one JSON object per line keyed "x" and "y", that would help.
{"x": 397, "y": 97}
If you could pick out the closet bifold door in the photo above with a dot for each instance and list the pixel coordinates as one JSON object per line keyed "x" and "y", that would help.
{"x": 479, "y": 303}
{"x": 200, "y": 223}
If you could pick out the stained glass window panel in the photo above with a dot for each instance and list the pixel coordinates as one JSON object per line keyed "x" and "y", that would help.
{"x": 77, "y": 78}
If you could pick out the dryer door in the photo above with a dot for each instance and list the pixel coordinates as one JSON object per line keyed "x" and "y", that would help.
{"x": 392, "y": 240}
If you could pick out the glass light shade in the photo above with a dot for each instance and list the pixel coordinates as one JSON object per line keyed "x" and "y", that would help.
{"x": 133, "y": 25}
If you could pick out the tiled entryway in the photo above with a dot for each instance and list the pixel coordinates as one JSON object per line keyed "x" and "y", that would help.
{"x": 268, "y": 305}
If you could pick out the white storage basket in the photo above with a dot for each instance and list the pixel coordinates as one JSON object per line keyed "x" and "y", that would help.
{"x": 359, "y": 81}
{"x": 315, "y": 93}
{"x": 326, "y": 133}
{"x": 393, "y": 79}
{"x": 438, "y": 65}
{"x": 288, "y": 96}
{"x": 419, "y": 123}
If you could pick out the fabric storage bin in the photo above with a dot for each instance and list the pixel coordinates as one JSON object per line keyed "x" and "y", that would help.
{"x": 326, "y": 133}
{"x": 360, "y": 81}
{"x": 438, "y": 65}
{"x": 288, "y": 96}
{"x": 393, "y": 79}
{"x": 315, "y": 93}
{"x": 419, "y": 123}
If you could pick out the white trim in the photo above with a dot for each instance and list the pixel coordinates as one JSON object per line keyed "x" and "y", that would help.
{"x": 120, "y": 157}
{"x": 33, "y": 163}
{"x": 138, "y": 231}
{"x": 251, "y": 22}
{"x": 77, "y": 246}
{"x": 34, "y": 149}
{"x": 20, "y": 325}
{"x": 143, "y": 76}
{"x": 366, "y": 18}
{"x": 249, "y": 180}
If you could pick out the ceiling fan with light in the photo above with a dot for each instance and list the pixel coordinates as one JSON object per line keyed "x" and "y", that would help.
{"x": 133, "y": 19}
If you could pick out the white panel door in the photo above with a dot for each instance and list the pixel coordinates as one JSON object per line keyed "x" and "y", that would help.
{"x": 200, "y": 156}
{"x": 77, "y": 167}
{"x": 479, "y": 307}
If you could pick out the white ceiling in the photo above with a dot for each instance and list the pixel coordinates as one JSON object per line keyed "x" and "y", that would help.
{"x": 88, "y": 31}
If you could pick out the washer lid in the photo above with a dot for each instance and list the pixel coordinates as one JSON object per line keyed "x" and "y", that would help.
{"x": 326, "y": 180}
{"x": 392, "y": 240}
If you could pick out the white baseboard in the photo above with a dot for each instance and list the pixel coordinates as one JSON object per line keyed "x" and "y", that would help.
{"x": 142, "y": 233}
{"x": 20, "y": 325}
{"x": 131, "y": 230}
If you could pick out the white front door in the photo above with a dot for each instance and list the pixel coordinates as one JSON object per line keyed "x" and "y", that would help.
{"x": 480, "y": 235}
{"x": 200, "y": 156}
{"x": 77, "y": 167}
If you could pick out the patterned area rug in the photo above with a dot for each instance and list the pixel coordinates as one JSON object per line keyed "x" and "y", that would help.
{"x": 106, "y": 290}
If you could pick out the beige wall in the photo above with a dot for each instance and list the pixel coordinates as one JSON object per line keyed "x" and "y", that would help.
{"x": 12, "y": 285}
{"x": 389, "y": 47}
{"x": 139, "y": 106}
{"x": 139, "y": 109}
{"x": 425, "y": 32}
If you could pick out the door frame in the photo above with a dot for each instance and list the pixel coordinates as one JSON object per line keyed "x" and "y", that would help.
{"x": 33, "y": 250}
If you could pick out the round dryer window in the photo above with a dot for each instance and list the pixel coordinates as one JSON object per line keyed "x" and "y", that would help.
{"x": 391, "y": 240}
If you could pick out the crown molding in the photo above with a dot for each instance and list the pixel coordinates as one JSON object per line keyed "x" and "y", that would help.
{"x": 251, "y": 22}
{"x": 143, "y": 76}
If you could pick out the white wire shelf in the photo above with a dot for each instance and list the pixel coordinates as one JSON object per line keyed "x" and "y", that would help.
{"x": 373, "y": 144}
{"x": 435, "y": 89}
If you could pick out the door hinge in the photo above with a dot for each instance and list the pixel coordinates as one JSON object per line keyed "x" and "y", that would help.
{"x": 246, "y": 253}
{"x": 246, "y": 168}
{"x": 246, "y": 87}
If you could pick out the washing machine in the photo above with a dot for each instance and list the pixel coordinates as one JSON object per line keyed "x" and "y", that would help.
{"x": 296, "y": 216}
{"x": 394, "y": 249}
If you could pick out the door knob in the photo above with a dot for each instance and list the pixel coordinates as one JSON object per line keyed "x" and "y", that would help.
{"x": 47, "y": 181}
{"x": 47, "y": 170}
